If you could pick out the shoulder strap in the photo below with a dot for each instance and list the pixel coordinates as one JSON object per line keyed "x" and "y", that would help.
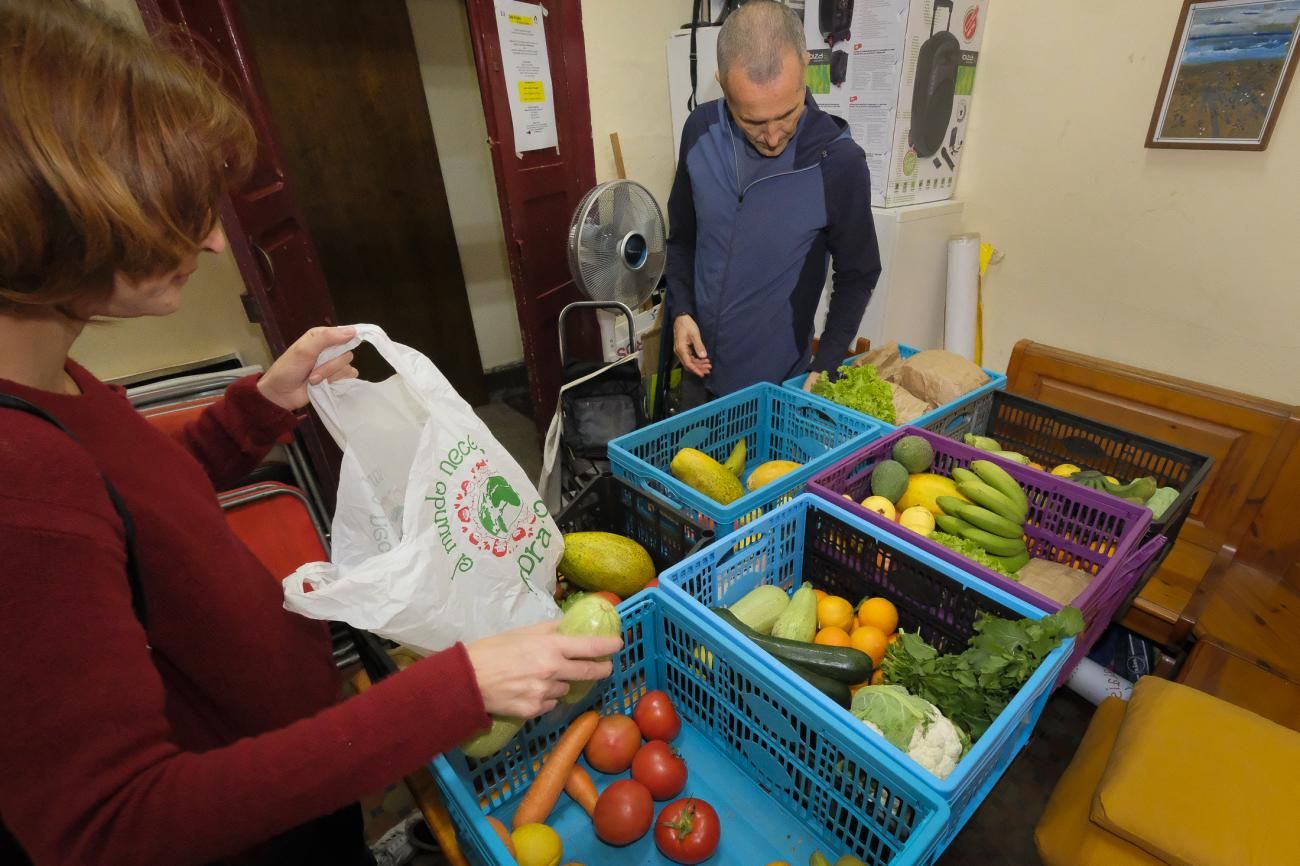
{"x": 8, "y": 401}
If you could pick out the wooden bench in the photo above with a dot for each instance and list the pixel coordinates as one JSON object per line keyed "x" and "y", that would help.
{"x": 1233, "y": 575}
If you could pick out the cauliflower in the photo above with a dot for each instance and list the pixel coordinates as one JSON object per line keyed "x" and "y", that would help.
{"x": 914, "y": 725}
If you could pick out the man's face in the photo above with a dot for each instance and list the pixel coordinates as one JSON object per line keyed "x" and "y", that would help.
{"x": 768, "y": 114}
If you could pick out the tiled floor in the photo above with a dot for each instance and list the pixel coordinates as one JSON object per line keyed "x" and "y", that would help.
{"x": 1002, "y": 831}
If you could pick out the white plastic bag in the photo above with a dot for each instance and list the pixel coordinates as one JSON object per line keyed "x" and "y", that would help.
{"x": 438, "y": 535}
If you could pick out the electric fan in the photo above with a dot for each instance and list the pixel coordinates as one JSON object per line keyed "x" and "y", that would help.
{"x": 616, "y": 250}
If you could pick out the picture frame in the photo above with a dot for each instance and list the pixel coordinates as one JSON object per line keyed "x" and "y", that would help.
{"x": 1229, "y": 67}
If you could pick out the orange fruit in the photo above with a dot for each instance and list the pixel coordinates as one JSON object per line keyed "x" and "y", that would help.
{"x": 834, "y": 611}
{"x": 820, "y": 593}
{"x": 871, "y": 641}
{"x": 832, "y": 636}
{"x": 878, "y": 677}
{"x": 879, "y": 612}
{"x": 893, "y": 639}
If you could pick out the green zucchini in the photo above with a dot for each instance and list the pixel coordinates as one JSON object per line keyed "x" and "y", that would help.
{"x": 845, "y": 664}
{"x": 833, "y": 689}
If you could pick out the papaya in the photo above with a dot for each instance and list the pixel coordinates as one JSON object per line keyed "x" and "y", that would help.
{"x": 605, "y": 562}
{"x": 768, "y": 472}
{"x": 702, "y": 473}
{"x": 925, "y": 488}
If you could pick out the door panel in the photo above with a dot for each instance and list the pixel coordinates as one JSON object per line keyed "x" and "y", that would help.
{"x": 539, "y": 190}
{"x": 344, "y": 86}
{"x": 285, "y": 290}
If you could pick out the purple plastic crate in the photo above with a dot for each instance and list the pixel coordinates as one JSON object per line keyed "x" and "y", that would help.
{"x": 1067, "y": 523}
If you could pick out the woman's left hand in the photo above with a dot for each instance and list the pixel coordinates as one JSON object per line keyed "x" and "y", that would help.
{"x": 285, "y": 384}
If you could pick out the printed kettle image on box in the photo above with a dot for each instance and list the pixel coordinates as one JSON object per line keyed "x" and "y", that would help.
{"x": 902, "y": 73}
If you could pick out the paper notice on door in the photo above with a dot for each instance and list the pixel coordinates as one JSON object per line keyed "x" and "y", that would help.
{"x": 528, "y": 74}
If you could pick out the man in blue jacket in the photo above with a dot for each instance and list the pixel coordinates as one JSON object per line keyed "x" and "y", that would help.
{"x": 769, "y": 188}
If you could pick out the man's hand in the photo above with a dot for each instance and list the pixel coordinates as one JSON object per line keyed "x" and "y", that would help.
{"x": 688, "y": 345}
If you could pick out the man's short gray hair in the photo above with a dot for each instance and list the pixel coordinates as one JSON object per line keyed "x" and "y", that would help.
{"x": 757, "y": 36}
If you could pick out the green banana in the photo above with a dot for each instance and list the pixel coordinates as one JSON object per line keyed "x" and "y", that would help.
{"x": 1000, "y": 480}
{"x": 982, "y": 494}
{"x": 1139, "y": 488}
{"x": 1012, "y": 564}
{"x": 1090, "y": 478}
{"x": 963, "y": 476}
{"x": 736, "y": 460}
{"x": 982, "y": 518}
{"x": 949, "y": 523}
{"x": 1014, "y": 457}
{"x": 994, "y": 544}
{"x": 818, "y": 859}
{"x": 983, "y": 443}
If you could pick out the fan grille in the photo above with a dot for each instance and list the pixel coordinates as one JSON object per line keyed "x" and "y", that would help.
{"x": 617, "y": 245}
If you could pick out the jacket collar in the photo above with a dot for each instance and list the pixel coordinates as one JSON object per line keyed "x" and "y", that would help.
{"x": 816, "y": 133}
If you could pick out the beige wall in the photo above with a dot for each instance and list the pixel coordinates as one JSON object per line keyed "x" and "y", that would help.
{"x": 627, "y": 75}
{"x": 1176, "y": 261}
{"x": 211, "y": 322}
{"x": 455, "y": 106}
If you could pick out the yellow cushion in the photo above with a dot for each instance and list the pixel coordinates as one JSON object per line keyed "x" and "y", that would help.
{"x": 1064, "y": 835}
{"x": 1197, "y": 781}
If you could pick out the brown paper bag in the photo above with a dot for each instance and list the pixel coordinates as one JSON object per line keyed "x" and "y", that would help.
{"x": 887, "y": 361}
{"x": 1055, "y": 580}
{"x": 940, "y": 377}
{"x": 907, "y": 406}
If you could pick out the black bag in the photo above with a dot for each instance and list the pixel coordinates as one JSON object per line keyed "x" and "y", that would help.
{"x": 604, "y": 407}
{"x": 834, "y": 19}
{"x": 839, "y": 66}
{"x": 936, "y": 83}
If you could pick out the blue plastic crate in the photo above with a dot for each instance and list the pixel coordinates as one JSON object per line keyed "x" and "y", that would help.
{"x": 776, "y": 424}
{"x": 814, "y": 540}
{"x": 968, "y": 413}
{"x": 753, "y": 747}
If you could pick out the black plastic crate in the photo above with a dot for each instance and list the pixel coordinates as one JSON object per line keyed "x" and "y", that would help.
{"x": 843, "y": 560}
{"x": 610, "y": 504}
{"x": 1051, "y": 436}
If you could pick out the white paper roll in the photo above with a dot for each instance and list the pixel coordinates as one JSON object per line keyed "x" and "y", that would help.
{"x": 1096, "y": 683}
{"x": 963, "y": 294}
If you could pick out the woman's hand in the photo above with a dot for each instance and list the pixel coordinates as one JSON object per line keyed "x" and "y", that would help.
{"x": 285, "y": 384}
{"x": 524, "y": 672}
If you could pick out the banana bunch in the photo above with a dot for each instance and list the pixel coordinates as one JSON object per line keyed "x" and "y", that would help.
{"x": 994, "y": 517}
{"x": 984, "y": 443}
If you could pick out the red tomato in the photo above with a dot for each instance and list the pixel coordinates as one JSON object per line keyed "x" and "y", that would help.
{"x": 652, "y": 583}
{"x": 687, "y": 831}
{"x": 658, "y": 766}
{"x": 609, "y": 597}
{"x": 656, "y": 717}
{"x": 614, "y": 744}
{"x": 624, "y": 812}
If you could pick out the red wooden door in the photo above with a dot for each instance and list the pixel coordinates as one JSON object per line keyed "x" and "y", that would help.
{"x": 285, "y": 289}
{"x": 539, "y": 189}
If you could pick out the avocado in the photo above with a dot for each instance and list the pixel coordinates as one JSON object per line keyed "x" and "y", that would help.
{"x": 889, "y": 479}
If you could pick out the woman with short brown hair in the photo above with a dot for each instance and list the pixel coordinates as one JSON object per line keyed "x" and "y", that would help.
{"x": 161, "y": 706}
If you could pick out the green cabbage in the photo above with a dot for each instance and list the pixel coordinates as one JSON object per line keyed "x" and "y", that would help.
{"x": 859, "y": 388}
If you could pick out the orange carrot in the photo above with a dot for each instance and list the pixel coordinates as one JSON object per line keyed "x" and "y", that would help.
{"x": 503, "y": 833}
{"x": 542, "y": 794}
{"x": 582, "y": 789}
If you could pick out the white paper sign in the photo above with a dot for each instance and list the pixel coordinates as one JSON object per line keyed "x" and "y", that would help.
{"x": 528, "y": 74}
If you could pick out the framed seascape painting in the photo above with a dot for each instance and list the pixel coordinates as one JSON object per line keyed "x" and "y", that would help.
{"x": 1228, "y": 70}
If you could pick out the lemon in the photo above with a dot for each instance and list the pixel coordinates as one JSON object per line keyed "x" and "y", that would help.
{"x": 1065, "y": 470}
{"x": 918, "y": 519}
{"x": 880, "y": 505}
{"x": 537, "y": 845}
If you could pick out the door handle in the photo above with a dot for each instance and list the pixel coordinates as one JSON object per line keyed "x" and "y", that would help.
{"x": 267, "y": 265}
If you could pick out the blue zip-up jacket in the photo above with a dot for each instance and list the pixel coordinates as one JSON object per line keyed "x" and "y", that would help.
{"x": 748, "y": 263}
